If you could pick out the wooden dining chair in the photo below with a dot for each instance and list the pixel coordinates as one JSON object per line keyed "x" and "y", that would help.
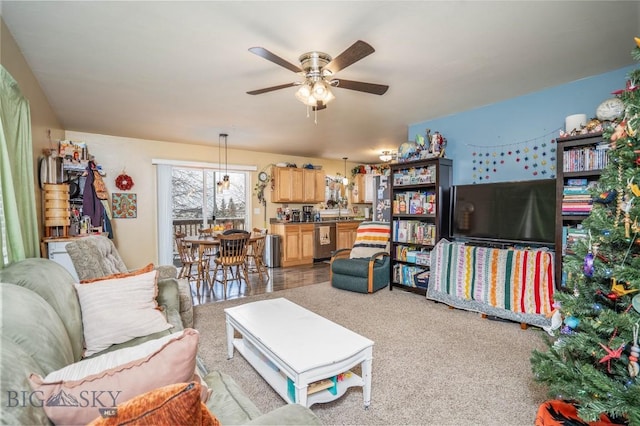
{"x": 255, "y": 256}
{"x": 210, "y": 251}
{"x": 189, "y": 258}
{"x": 231, "y": 260}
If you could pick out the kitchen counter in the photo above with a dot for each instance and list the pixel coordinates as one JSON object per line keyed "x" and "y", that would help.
{"x": 298, "y": 239}
{"x": 284, "y": 222}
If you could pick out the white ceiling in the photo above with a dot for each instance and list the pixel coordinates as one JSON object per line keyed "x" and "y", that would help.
{"x": 179, "y": 71}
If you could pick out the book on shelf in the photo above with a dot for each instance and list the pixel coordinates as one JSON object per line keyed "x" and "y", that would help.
{"x": 571, "y": 235}
{"x": 414, "y": 231}
{"x": 586, "y": 158}
{"x": 406, "y": 275}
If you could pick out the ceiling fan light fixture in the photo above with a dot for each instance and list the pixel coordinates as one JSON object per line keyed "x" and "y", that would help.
{"x": 320, "y": 90}
{"x": 304, "y": 92}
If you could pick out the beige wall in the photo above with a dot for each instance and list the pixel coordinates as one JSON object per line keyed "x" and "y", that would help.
{"x": 43, "y": 119}
{"x": 136, "y": 239}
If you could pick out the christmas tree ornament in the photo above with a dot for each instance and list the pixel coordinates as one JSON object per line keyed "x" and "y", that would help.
{"x": 572, "y": 322}
{"x": 556, "y": 320}
{"x": 597, "y": 307}
{"x": 634, "y": 367}
{"x": 620, "y": 289}
{"x": 619, "y": 198}
{"x": 588, "y": 265}
{"x": 619, "y": 133}
{"x": 635, "y": 189}
{"x": 611, "y": 354}
{"x": 606, "y": 197}
{"x": 636, "y": 303}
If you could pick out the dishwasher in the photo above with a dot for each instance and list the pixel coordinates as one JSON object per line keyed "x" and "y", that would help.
{"x": 324, "y": 240}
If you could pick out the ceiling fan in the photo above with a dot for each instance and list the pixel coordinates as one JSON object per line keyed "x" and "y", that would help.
{"x": 318, "y": 69}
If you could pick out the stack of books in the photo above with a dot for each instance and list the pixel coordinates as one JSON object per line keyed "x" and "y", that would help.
{"x": 576, "y": 199}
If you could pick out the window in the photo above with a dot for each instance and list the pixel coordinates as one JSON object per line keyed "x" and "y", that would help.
{"x": 196, "y": 202}
{"x": 188, "y": 200}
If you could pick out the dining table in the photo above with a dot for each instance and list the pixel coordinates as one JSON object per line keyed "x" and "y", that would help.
{"x": 209, "y": 241}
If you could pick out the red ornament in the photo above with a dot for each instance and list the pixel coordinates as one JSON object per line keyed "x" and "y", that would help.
{"x": 124, "y": 182}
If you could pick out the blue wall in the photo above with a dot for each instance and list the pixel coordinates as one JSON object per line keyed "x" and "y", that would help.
{"x": 514, "y": 139}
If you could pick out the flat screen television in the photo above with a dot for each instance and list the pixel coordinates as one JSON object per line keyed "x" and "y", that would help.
{"x": 506, "y": 212}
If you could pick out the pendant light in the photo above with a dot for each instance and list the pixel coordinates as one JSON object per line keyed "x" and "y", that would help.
{"x": 345, "y": 180}
{"x": 219, "y": 185}
{"x": 225, "y": 180}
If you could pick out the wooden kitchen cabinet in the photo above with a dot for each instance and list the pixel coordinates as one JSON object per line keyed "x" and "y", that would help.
{"x": 362, "y": 190}
{"x": 314, "y": 184}
{"x": 296, "y": 243}
{"x": 287, "y": 184}
{"x": 294, "y": 185}
{"x": 346, "y": 234}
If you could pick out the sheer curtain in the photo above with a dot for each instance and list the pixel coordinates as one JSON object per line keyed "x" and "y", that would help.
{"x": 18, "y": 220}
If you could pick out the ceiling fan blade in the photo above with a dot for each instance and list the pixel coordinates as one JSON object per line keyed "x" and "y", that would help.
{"x": 272, "y": 88}
{"x": 264, "y": 53}
{"x": 376, "y": 89}
{"x": 354, "y": 53}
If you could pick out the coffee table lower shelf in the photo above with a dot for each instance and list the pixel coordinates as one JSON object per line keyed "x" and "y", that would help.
{"x": 281, "y": 383}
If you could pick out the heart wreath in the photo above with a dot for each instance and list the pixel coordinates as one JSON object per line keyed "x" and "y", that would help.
{"x": 124, "y": 182}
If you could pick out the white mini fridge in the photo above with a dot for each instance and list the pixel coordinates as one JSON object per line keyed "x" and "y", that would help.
{"x": 57, "y": 252}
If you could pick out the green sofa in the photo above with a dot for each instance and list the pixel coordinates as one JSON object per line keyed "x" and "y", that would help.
{"x": 41, "y": 332}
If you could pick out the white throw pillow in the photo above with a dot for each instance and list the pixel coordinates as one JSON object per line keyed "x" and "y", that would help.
{"x": 118, "y": 310}
{"x": 76, "y": 393}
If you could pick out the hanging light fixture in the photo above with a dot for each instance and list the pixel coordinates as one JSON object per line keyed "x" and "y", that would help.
{"x": 345, "y": 180}
{"x": 225, "y": 180}
{"x": 386, "y": 156}
{"x": 219, "y": 185}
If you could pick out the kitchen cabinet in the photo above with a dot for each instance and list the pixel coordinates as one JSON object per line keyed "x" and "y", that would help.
{"x": 421, "y": 199}
{"x": 314, "y": 185}
{"x": 294, "y": 185}
{"x": 296, "y": 243}
{"x": 346, "y": 234}
{"x": 580, "y": 161}
{"x": 363, "y": 189}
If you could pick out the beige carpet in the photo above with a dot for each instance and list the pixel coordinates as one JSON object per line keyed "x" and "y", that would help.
{"x": 432, "y": 365}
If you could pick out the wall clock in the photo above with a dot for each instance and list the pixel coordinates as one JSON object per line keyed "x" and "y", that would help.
{"x": 610, "y": 109}
{"x": 262, "y": 176}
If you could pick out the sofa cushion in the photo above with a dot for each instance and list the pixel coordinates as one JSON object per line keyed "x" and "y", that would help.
{"x": 95, "y": 256}
{"x": 177, "y": 404}
{"x": 19, "y": 405}
{"x": 29, "y": 321}
{"x": 358, "y": 267}
{"x": 55, "y": 285}
{"x": 371, "y": 238}
{"x": 228, "y": 402}
{"x": 142, "y": 270}
{"x": 115, "y": 311}
{"x": 74, "y": 394}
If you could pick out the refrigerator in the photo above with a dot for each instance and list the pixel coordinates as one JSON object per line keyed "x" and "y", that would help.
{"x": 381, "y": 199}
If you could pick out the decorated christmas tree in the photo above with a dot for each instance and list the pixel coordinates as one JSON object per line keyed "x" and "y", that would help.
{"x": 592, "y": 362}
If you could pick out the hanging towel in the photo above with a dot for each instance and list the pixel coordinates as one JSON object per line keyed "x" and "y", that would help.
{"x": 325, "y": 235}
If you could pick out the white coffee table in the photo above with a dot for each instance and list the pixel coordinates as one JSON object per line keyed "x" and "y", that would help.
{"x": 292, "y": 347}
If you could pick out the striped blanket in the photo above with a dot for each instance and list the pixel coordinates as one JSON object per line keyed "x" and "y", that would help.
{"x": 513, "y": 284}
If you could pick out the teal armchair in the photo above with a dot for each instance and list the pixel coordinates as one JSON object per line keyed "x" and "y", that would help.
{"x": 364, "y": 268}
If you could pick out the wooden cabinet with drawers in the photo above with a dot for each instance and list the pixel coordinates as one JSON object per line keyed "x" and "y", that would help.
{"x": 296, "y": 243}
